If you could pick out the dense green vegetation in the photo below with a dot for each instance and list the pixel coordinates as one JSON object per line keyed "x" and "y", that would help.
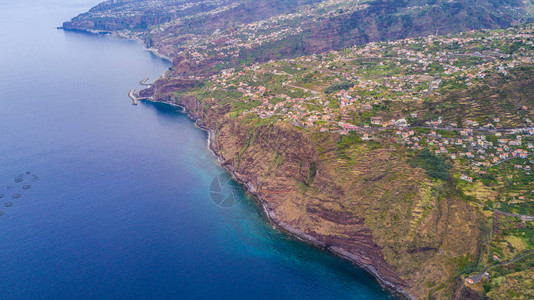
{"x": 348, "y": 140}
{"x": 435, "y": 166}
{"x": 336, "y": 87}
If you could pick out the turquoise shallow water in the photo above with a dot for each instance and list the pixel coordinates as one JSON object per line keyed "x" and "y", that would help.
{"x": 116, "y": 204}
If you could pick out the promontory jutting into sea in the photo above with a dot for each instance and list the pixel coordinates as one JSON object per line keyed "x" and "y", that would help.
{"x": 276, "y": 149}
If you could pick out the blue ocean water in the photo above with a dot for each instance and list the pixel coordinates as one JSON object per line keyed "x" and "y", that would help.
{"x": 105, "y": 200}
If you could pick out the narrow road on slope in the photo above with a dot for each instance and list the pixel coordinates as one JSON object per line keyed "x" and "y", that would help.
{"x": 478, "y": 277}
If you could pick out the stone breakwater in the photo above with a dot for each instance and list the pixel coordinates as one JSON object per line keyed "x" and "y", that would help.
{"x": 132, "y": 96}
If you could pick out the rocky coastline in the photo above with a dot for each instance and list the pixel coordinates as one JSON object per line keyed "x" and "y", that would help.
{"x": 270, "y": 214}
{"x": 371, "y": 261}
{"x": 362, "y": 250}
{"x": 401, "y": 213}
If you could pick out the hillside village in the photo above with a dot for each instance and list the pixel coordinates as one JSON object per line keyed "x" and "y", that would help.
{"x": 366, "y": 77}
{"x": 383, "y": 92}
{"x": 376, "y": 91}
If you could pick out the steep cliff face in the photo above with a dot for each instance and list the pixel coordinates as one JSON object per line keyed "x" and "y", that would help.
{"x": 113, "y": 15}
{"x": 335, "y": 29}
{"x": 393, "y": 20}
{"x": 196, "y": 25}
{"x": 196, "y": 17}
{"x": 363, "y": 202}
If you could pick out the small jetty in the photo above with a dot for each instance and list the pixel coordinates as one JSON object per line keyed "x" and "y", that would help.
{"x": 135, "y": 97}
{"x": 145, "y": 82}
{"x": 132, "y": 96}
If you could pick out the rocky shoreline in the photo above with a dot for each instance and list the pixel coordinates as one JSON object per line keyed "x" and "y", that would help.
{"x": 156, "y": 53}
{"x": 368, "y": 202}
{"x": 271, "y": 216}
{"x": 259, "y": 198}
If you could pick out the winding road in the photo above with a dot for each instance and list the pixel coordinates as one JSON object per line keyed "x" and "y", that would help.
{"x": 478, "y": 277}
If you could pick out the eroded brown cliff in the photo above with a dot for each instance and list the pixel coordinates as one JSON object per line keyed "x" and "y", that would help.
{"x": 364, "y": 203}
